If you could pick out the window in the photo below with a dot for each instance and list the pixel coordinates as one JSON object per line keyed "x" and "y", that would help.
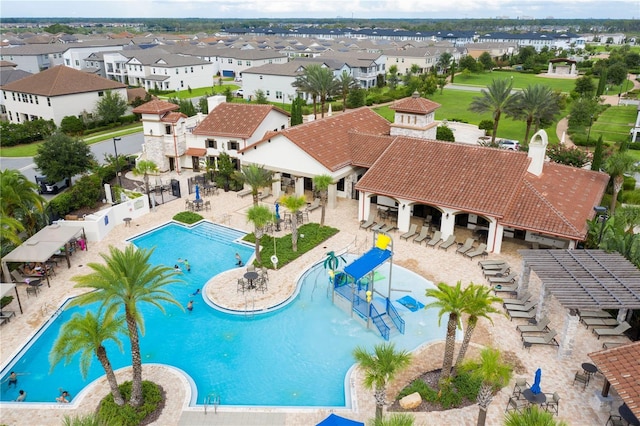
{"x": 181, "y": 83}
{"x": 230, "y": 60}
{"x": 248, "y": 63}
{"x": 278, "y": 94}
{"x": 340, "y": 185}
{"x": 24, "y": 98}
{"x": 239, "y": 62}
{"x": 191, "y": 69}
{"x": 186, "y": 70}
{"x": 154, "y": 70}
{"x": 233, "y": 145}
{"x": 30, "y": 99}
{"x": 67, "y": 62}
{"x": 48, "y": 101}
{"x": 268, "y": 93}
{"x": 167, "y": 129}
{"x": 260, "y": 77}
{"x": 177, "y": 71}
{"x": 77, "y": 63}
{"x": 100, "y": 93}
{"x": 14, "y": 96}
{"x": 212, "y": 143}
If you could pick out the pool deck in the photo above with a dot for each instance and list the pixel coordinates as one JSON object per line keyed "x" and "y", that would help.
{"x": 577, "y": 407}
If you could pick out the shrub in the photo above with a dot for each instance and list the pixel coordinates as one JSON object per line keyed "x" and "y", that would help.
{"x": 128, "y": 119}
{"x": 62, "y": 204}
{"x": 449, "y": 396}
{"x": 635, "y": 146}
{"x": 631, "y": 197}
{"x": 420, "y": 386}
{"x": 444, "y": 133}
{"x": 629, "y": 183}
{"x": 5, "y": 301}
{"x": 152, "y": 395}
{"x": 467, "y": 385}
{"x": 72, "y": 125}
{"x": 188, "y": 217}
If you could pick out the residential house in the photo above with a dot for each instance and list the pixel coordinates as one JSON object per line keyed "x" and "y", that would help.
{"x": 229, "y": 62}
{"x": 424, "y": 57}
{"x": 56, "y": 93}
{"x": 34, "y": 58}
{"x": 495, "y": 50}
{"x": 8, "y": 74}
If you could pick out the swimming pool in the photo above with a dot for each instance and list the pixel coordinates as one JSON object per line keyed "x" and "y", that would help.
{"x": 295, "y": 356}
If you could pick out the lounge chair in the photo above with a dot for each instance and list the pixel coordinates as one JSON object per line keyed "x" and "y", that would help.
{"x": 497, "y": 272}
{"x": 479, "y": 251}
{"x": 609, "y": 345}
{"x": 495, "y": 266}
{"x": 448, "y": 243}
{"x": 546, "y": 339}
{"x": 22, "y": 279}
{"x": 505, "y": 288}
{"x": 369, "y": 222}
{"x": 424, "y": 232}
{"x": 263, "y": 195}
{"x": 410, "y": 233}
{"x": 598, "y": 321}
{"x": 594, "y": 314}
{"x": 524, "y": 308}
{"x": 520, "y": 314}
{"x": 617, "y": 331}
{"x": 540, "y": 327}
{"x": 387, "y": 228}
{"x": 314, "y": 205}
{"x": 378, "y": 226}
{"x": 488, "y": 263}
{"x": 244, "y": 193}
{"x": 522, "y": 300}
{"x": 468, "y": 245}
{"x": 508, "y": 279}
{"x": 437, "y": 237}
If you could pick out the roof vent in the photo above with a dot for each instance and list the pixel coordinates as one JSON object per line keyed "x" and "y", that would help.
{"x": 415, "y": 94}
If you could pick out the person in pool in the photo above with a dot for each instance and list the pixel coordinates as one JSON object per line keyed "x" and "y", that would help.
{"x": 22, "y": 396}
{"x": 190, "y": 306}
{"x": 238, "y": 260}
{"x": 186, "y": 264}
{"x": 177, "y": 268}
{"x": 63, "y": 398}
{"x": 195, "y": 293}
{"x": 13, "y": 378}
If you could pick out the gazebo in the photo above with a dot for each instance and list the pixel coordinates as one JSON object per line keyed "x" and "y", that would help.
{"x": 581, "y": 279}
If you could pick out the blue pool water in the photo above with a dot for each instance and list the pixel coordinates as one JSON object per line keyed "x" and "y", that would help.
{"x": 295, "y": 356}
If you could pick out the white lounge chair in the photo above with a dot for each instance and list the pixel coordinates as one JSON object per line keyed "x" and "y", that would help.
{"x": 478, "y": 251}
{"x": 540, "y": 327}
{"x": 598, "y": 321}
{"x": 437, "y": 237}
{"x": 524, "y": 308}
{"x": 468, "y": 245}
{"x": 617, "y": 331}
{"x": 519, "y": 301}
{"x": 369, "y": 222}
{"x": 314, "y": 205}
{"x": 410, "y": 233}
{"x": 448, "y": 243}
{"x": 547, "y": 339}
{"x": 244, "y": 193}
{"x": 499, "y": 280}
{"x": 424, "y": 232}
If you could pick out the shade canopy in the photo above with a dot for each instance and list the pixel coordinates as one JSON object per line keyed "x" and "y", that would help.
{"x": 6, "y": 289}
{"x": 335, "y": 420}
{"x": 43, "y": 245}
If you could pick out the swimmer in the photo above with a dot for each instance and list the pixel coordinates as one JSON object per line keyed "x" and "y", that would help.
{"x": 13, "y": 378}
{"x": 238, "y": 260}
{"x": 63, "y": 397}
{"x": 186, "y": 264}
{"x": 195, "y": 293}
{"x": 190, "y": 306}
{"x": 22, "y": 396}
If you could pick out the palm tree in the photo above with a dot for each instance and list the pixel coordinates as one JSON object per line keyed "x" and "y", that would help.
{"x": 347, "y": 83}
{"x": 143, "y": 168}
{"x": 256, "y": 177}
{"x": 127, "y": 280}
{"x": 259, "y": 216}
{"x": 536, "y": 104}
{"x": 494, "y": 373}
{"x": 319, "y": 81}
{"x": 496, "y": 99}
{"x": 86, "y": 334}
{"x": 380, "y": 367}
{"x": 532, "y": 416}
{"x": 321, "y": 183}
{"x": 479, "y": 305}
{"x": 304, "y": 84}
{"x": 617, "y": 165}
{"x": 452, "y": 301}
{"x": 293, "y": 203}
{"x": 20, "y": 200}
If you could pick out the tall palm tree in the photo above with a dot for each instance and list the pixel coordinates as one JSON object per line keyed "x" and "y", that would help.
{"x": 617, "y": 165}
{"x": 304, "y": 84}
{"x": 20, "y": 200}
{"x": 293, "y": 203}
{"x": 380, "y": 367}
{"x": 320, "y": 82}
{"x": 256, "y": 177}
{"x": 452, "y": 301}
{"x": 536, "y": 104}
{"x": 493, "y": 372}
{"x": 86, "y": 335}
{"x": 347, "y": 83}
{"x": 259, "y": 216}
{"x": 321, "y": 183}
{"x": 532, "y": 416}
{"x": 143, "y": 168}
{"x": 479, "y": 305}
{"x": 496, "y": 99}
{"x": 127, "y": 279}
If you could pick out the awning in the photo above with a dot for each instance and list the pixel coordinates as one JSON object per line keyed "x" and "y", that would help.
{"x": 196, "y": 152}
{"x": 5, "y": 289}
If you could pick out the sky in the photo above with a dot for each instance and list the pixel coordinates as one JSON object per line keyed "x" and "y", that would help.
{"x": 359, "y": 9}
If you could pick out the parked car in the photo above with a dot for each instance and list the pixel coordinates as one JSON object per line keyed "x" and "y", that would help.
{"x": 47, "y": 187}
{"x": 509, "y": 144}
{"x": 240, "y": 93}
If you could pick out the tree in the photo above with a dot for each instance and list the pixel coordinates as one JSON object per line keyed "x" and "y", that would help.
{"x": 62, "y": 157}
{"x": 296, "y": 111}
{"x": 143, "y": 168}
{"x": 617, "y": 73}
{"x": 618, "y": 235}
{"x": 347, "y": 83}
{"x": 602, "y": 82}
{"x": 444, "y": 61}
{"x": 86, "y": 335}
{"x": 261, "y": 97}
{"x": 442, "y": 82}
{"x": 185, "y": 106}
{"x": 111, "y": 107}
{"x": 256, "y": 177}
{"x": 19, "y": 200}
{"x": 617, "y": 165}
{"x": 393, "y": 79}
{"x": 493, "y": 373}
{"x": 72, "y": 125}
{"x": 584, "y": 86}
{"x": 570, "y": 156}
{"x": 486, "y": 61}
{"x": 532, "y": 416}
{"x": 294, "y": 203}
{"x": 203, "y": 104}
{"x": 259, "y": 216}
{"x": 453, "y": 70}
{"x": 536, "y": 104}
{"x": 127, "y": 279}
{"x": 496, "y": 99}
{"x": 321, "y": 184}
{"x": 428, "y": 84}
{"x": 452, "y": 301}
{"x": 582, "y": 112}
{"x": 225, "y": 170}
{"x": 320, "y": 82}
{"x": 486, "y": 125}
{"x": 444, "y": 133}
{"x": 468, "y": 63}
{"x": 479, "y": 305}
{"x": 596, "y": 162}
{"x": 379, "y": 368}
{"x": 356, "y": 98}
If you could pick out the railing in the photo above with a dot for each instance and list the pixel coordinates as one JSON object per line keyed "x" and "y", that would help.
{"x": 395, "y": 317}
{"x": 212, "y": 399}
{"x": 379, "y": 323}
{"x": 360, "y": 306}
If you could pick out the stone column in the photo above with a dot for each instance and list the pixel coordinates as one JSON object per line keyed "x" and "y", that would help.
{"x": 404, "y": 215}
{"x": 332, "y": 195}
{"x": 299, "y": 186}
{"x": 550, "y": 69}
{"x": 568, "y": 337}
{"x": 622, "y": 315}
{"x": 543, "y": 308}
{"x": 447, "y": 223}
{"x": 523, "y": 279}
{"x": 276, "y": 187}
{"x": 573, "y": 69}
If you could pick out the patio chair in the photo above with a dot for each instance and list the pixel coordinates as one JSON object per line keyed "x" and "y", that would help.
{"x": 487, "y": 264}
{"x": 410, "y": 233}
{"x": 540, "y": 327}
{"x": 468, "y": 245}
{"x": 508, "y": 279}
{"x": 505, "y": 269}
{"x": 263, "y": 195}
{"x": 242, "y": 285}
{"x": 553, "y": 402}
{"x": 244, "y": 193}
{"x": 516, "y": 404}
{"x": 437, "y": 237}
{"x": 369, "y": 222}
{"x": 521, "y": 314}
{"x": 251, "y": 267}
{"x": 424, "y": 232}
{"x": 521, "y": 385}
{"x": 378, "y": 226}
{"x": 479, "y": 251}
{"x": 524, "y": 308}
{"x": 261, "y": 284}
{"x": 615, "y": 420}
{"x": 207, "y": 205}
{"x": 448, "y": 243}
{"x": 617, "y": 331}
{"x": 594, "y": 314}
{"x": 314, "y": 205}
{"x": 387, "y": 228}
{"x": 505, "y": 288}
{"x": 598, "y": 321}
{"x": 522, "y": 300}
{"x": 547, "y": 339}
{"x": 581, "y": 377}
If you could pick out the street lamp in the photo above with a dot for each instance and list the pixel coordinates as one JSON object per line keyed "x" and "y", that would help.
{"x": 602, "y": 217}
{"x": 115, "y": 148}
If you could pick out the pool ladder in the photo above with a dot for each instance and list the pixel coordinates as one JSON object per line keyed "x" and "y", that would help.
{"x": 212, "y": 399}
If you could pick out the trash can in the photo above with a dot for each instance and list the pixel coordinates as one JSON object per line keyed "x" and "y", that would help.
{"x": 175, "y": 188}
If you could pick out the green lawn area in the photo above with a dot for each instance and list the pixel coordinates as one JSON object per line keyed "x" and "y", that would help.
{"x": 614, "y": 124}
{"x": 520, "y": 80}
{"x": 31, "y": 149}
{"x": 200, "y": 91}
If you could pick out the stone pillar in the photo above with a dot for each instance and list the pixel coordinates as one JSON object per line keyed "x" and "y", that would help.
{"x": 523, "y": 280}
{"x": 543, "y": 308}
{"x": 404, "y": 215}
{"x": 622, "y": 315}
{"x": 573, "y": 69}
{"x": 550, "y": 69}
{"x": 497, "y": 240}
{"x": 299, "y": 186}
{"x": 276, "y": 187}
{"x": 364, "y": 205}
{"x": 447, "y": 223}
{"x": 332, "y": 196}
{"x": 491, "y": 235}
{"x": 567, "y": 340}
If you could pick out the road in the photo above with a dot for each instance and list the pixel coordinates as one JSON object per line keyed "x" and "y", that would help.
{"x": 129, "y": 144}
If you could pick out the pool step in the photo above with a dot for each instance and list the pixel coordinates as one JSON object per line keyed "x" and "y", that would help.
{"x": 217, "y": 233}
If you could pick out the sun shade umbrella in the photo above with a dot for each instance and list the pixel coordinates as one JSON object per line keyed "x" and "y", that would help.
{"x": 197, "y": 191}
{"x": 334, "y": 420}
{"x": 535, "y": 388}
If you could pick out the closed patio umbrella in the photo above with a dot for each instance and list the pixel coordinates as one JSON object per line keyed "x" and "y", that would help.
{"x": 535, "y": 388}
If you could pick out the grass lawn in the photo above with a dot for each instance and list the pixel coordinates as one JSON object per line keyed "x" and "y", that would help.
{"x": 614, "y": 124}
{"x": 30, "y": 150}
{"x": 520, "y": 80}
{"x": 200, "y": 91}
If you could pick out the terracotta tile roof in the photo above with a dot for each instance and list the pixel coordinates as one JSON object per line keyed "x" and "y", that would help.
{"x": 621, "y": 367}
{"x": 557, "y": 201}
{"x": 156, "y": 106}
{"x": 235, "y": 120}
{"x": 173, "y": 117}
{"x": 466, "y": 177}
{"x": 415, "y": 104}
{"x": 196, "y": 152}
{"x": 61, "y": 80}
{"x": 366, "y": 149}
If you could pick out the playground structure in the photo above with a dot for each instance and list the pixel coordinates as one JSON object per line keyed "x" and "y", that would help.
{"x": 358, "y": 294}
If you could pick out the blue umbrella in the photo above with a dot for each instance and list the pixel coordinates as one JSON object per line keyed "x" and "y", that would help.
{"x": 277, "y": 211}
{"x": 197, "y": 191}
{"x": 335, "y": 420}
{"x": 535, "y": 389}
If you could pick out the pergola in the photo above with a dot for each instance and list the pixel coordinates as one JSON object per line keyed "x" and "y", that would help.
{"x": 581, "y": 279}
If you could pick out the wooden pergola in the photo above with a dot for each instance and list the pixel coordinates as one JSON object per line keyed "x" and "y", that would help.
{"x": 582, "y": 279}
